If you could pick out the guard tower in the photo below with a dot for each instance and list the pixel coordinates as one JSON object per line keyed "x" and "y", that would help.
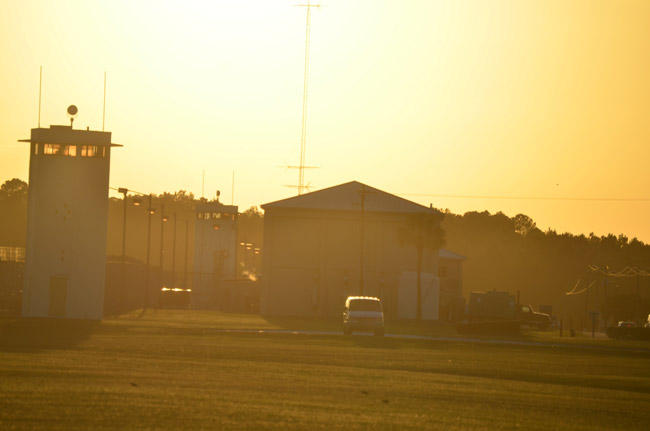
{"x": 65, "y": 256}
{"x": 215, "y": 251}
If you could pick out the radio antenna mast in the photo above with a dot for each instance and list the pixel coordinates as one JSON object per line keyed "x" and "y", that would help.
{"x": 104, "y": 108}
{"x": 303, "y": 136}
{"x": 40, "y": 87}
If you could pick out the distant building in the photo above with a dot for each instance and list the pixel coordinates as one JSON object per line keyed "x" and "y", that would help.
{"x": 321, "y": 247}
{"x": 65, "y": 256}
{"x": 215, "y": 251}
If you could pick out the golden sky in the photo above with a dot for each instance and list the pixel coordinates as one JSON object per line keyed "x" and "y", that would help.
{"x": 523, "y": 99}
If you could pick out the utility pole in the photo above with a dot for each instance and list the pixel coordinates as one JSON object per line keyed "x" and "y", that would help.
{"x": 173, "y": 284}
{"x": 363, "y": 208}
{"x": 362, "y": 239}
{"x": 187, "y": 236}
{"x": 163, "y": 219}
{"x": 146, "y": 282}
{"x": 124, "y": 192}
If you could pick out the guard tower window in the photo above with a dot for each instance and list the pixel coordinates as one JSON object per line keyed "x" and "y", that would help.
{"x": 35, "y": 149}
{"x": 216, "y": 216}
{"x": 92, "y": 151}
{"x": 52, "y": 149}
{"x": 86, "y": 150}
{"x": 57, "y": 150}
{"x": 70, "y": 150}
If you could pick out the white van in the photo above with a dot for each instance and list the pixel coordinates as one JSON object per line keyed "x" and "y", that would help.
{"x": 363, "y": 313}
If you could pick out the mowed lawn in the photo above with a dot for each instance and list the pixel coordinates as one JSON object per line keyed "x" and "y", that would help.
{"x": 178, "y": 370}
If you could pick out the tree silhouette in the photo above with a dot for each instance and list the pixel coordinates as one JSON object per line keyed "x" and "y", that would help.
{"x": 523, "y": 224}
{"x": 13, "y": 213}
{"x": 14, "y": 190}
{"x": 423, "y": 231}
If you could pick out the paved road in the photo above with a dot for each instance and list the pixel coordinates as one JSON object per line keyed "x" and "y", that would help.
{"x": 437, "y": 338}
{"x": 596, "y": 335}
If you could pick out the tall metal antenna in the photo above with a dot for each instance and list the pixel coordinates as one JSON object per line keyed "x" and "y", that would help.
{"x": 40, "y": 86}
{"x": 303, "y": 136}
{"x": 104, "y": 109}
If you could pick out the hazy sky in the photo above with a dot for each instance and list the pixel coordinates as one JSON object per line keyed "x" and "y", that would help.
{"x": 522, "y": 99}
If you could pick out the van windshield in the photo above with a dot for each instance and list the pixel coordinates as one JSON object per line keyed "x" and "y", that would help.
{"x": 365, "y": 305}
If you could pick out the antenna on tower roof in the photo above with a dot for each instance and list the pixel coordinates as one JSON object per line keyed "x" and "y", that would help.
{"x": 72, "y": 113}
{"x": 104, "y": 109}
{"x": 40, "y": 86}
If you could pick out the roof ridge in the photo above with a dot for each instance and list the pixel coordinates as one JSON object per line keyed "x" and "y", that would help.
{"x": 346, "y": 197}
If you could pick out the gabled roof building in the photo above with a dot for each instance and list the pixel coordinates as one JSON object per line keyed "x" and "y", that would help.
{"x": 323, "y": 246}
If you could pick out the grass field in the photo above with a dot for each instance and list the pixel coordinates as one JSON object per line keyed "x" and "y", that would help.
{"x": 179, "y": 370}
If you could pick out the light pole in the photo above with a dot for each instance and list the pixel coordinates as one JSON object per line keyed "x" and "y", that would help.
{"x": 187, "y": 241}
{"x": 173, "y": 282}
{"x": 124, "y": 191}
{"x": 256, "y": 252}
{"x": 174, "y": 252}
{"x": 247, "y": 246}
{"x": 150, "y": 211}
{"x": 362, "y": 241}
{"x": 163, "y": 219}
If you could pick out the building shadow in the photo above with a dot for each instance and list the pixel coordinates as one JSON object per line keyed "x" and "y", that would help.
{"x": 27, "y": 335}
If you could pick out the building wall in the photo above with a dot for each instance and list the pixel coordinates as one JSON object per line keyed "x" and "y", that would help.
{"x": 312, "y": 260}
{"x": 66, "y": 231}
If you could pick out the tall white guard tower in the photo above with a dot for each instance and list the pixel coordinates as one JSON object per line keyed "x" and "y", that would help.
{"x": 65, "y": 256}
{"x": 215, "y": 251}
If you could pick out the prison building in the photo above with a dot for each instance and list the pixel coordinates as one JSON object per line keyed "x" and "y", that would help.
{"x": 323, "y": 246}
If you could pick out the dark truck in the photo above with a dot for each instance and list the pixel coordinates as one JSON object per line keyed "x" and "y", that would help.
{"x": 496, "y": 311}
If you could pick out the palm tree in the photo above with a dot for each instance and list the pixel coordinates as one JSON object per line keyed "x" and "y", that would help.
{"x": 424, "y": 232}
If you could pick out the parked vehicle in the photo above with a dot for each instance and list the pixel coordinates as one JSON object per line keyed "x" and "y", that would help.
{"x": 497, "y": 311}
{"x": 530, "y": 317}
{"x": 363, "y": 313}
{"x": 629, "y": 330}
{"x": 626, "y": 324}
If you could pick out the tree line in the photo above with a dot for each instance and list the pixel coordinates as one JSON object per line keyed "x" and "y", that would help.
{"x": 502, "y": 253}
{"x": 512, "y": 254}
{"x": 178, "y": 209}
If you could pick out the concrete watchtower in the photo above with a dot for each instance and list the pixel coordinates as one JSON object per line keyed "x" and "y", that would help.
{"x": 215, "y": 251}
{"x": 65, "y": 256}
